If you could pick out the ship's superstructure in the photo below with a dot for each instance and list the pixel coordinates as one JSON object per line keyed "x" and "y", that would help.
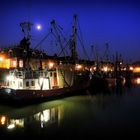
{"x": 28, "y": 68}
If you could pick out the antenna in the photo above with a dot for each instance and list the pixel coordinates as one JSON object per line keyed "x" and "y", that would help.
{"x": 26, "y": 28}
{"x": 106, "y": 53}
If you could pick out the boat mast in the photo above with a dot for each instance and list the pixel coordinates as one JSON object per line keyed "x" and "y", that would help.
{"x": 26, "y": 28}
{"x": 73, "y": 48}
{"x": 55, "y": 27}
{"x": 25, "y": 42}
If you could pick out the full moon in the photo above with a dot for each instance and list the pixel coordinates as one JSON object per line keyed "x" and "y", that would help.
{"x": 38, "y": 27}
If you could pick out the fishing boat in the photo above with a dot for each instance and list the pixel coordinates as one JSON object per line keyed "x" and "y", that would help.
{"x": 34, "y": 76}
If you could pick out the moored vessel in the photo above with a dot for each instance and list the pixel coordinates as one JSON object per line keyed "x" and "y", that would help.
{"x": 33, "y": 75}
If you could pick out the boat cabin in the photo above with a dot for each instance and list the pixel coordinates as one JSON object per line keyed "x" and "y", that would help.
{"x": 32, "y": 80}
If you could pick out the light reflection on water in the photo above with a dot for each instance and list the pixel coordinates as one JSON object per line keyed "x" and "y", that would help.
{"x": 93, "y": 115}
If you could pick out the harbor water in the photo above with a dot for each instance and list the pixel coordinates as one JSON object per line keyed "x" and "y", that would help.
{"x": 113, "y": 114}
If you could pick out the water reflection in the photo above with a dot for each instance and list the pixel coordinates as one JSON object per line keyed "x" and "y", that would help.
{"x": 128, "y": 85}
{"x": 30, "y": 120}
{"x": 70, "y": 116}
{"x": 87, "y": 115}
{"x": 42, "y": 118}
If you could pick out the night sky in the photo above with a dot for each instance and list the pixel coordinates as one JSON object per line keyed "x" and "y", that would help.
{"x": 114, "y": 21}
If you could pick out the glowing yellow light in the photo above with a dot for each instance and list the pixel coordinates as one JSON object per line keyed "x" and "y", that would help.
{"x": 3, "y": 120}
{"x": 4, "y": 62}
{"x": 51, "y": 64}
{"x": 14, "y": 63}
{"x": 138, "y": 80}
{"x": 136, "y": 69}
{"x": 131, "y": 68}
{"x": 1, "y": 58}
{"x": 78, "y": 67}
{"x": 94, "y": 68}
{"x": 105, "y": 69}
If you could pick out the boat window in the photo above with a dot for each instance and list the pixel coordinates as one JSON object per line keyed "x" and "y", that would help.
{"x": 20, "y": 84}
{"x": 21, "y": 64}
{"x": 46, "y": 73}
{"x": 27, "y": 83}
{"x": 20, "y": 73}
{"x": 55, "y": 75}
{"x": 32, "y": 83}
{"x": 41, "y": 73}
{"x": 50, "y": 74}
{"x": 34, "y": 74}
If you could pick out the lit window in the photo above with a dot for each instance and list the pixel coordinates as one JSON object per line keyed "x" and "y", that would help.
{"x": 20, "y": 63}
{"x": 14, "y": 64}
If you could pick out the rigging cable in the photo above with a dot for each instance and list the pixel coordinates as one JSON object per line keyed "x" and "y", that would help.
{"x": 42, "y": 40}
{"x": 81, "y": 40}
{"x": 84, "y": 50}
{"x": 62, "y": 47}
